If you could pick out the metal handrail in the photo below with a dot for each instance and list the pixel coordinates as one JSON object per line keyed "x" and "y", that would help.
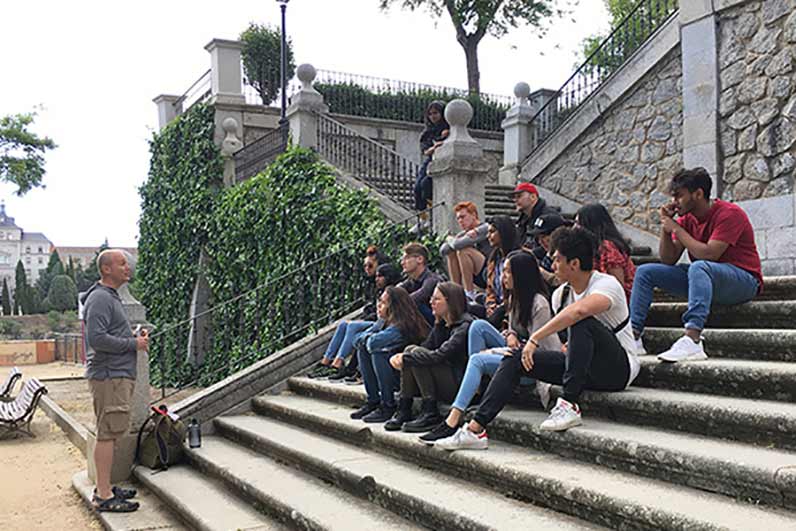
{"x": 204, "y": 78}
{"x": 544, "y": 117}
{"x": 253, "y": 158}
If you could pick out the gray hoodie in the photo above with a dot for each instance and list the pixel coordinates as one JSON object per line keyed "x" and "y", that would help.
{"x": 110, "y": 344}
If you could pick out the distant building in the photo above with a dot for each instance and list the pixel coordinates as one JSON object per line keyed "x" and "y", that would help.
{"x": 33, "y": 248}
{"x": 85, "y": 255}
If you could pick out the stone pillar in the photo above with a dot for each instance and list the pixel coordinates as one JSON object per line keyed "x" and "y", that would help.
{"x": 303, "y": 108}
{"x": 700, "y": 89}
{"x": 169, "y": 107}
{"x": 517, "y": 135}
{"x": 458, "y": 169}
{"x": 124, "y": 449}
{"x": 229, "y": 146}
{"x": 226, "y": 80}
{"x": 538, "y": 99}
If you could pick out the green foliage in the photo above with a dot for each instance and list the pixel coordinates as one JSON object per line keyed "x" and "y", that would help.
{"x": 347, "y": 98}
{"x": 261, "y": 57}
{"x": 54, "y": 268}
{"x": 22, "y": 152}
{"x": 6, "y": 299}
{"x": 62, "y": 295}
{"x": 62, "y": 322}
{"x": 22, "y": 291}
{"x": 10, "y": 329}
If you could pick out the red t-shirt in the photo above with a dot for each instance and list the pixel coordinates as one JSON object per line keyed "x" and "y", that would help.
{"x": 727, "y": 222}
{"x": 612, "y": 258}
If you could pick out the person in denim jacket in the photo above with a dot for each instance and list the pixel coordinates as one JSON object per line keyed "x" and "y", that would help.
{"x": 399, "y": 323}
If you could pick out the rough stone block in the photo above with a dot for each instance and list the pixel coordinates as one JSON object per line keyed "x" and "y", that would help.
{"x": 780, "y": 243}
{"x": 771, "y": 212}
{"x": 779, "y": 267}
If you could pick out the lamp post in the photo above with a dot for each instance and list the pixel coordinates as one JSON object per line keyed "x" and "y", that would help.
{"x": 283, "y": 71}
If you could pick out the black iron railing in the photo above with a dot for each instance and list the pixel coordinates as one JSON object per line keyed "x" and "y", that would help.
{"x": 368, "y": 161}
{"x": 605, "y": 58}
{"x": 69, "y": 348}
{"x": 199, "y": 91}
{"x": 260, "y": 321}
{"x": 255, "y": 157}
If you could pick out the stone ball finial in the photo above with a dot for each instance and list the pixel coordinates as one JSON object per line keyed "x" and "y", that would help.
{"x": 458, "y": 113}
{"x": 522, "y": 90}
{"x": 231, "y": 142}
{"x": 230, "y": 126}
{"x": 306, "y": 74}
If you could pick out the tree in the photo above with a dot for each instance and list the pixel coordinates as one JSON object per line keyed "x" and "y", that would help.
{"x": 91, "y": 274}
{"x": 262, "y": 60}
{"x": 54, "y": 268}
{"x": 62, "y": 295}
{"x": 22, "y": 152}
{"x": 21, "y": 290}
{"x": 474, "y": 19}
{"x": 6, "y": 299}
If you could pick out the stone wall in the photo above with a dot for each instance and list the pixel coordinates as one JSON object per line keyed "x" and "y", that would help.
{"x": 627, "y": 156}
{"x": 757, "y": 48}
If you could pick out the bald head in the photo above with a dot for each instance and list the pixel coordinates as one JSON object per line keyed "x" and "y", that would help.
{"x": 113, "y": 267}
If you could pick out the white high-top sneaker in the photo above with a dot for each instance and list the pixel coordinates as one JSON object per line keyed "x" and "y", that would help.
{"x": 562, "y": 417}
{"x": 684, "y": 349}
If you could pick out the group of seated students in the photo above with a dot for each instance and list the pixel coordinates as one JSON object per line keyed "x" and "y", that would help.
{"x": 439, "y": 341}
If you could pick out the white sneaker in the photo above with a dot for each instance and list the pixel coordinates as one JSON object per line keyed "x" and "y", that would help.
{"x": 684, "y": 349}
{"x": 464, "y": 439}
{"x": 638, "y": 347}
{"x": 543, "y": 390}
{"x": 564, "y": 416}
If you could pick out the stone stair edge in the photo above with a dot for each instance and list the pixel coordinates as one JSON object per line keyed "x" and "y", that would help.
{"x": 556, "y": 492}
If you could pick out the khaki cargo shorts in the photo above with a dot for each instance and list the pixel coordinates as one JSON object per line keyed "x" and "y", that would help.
{"x": 112, "y": 402}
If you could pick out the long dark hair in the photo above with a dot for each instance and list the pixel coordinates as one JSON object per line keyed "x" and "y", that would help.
{"x": 402, "y": 312}
{"x": 438, "y": 105}
{"x": 527, "y": 282}
{"x": 391, "y": 274}
{"x": 596, "y": 219}
{"x": 456, "y": 299}
{"x": 504, "y": 226}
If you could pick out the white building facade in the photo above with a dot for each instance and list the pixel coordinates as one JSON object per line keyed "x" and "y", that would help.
{"x": 32, "y": 248}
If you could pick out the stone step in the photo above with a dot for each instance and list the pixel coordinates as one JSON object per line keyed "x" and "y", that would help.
{"x": 203, "y": 504}
{"x": 782, "y": 288}
{"x": 300, "y": 500}
{"x": 739, "y": 343}
{"x": 754, "y": 314}
{"x": 430, "y": 498}
{"x": 760, "y": 422}
{"x": 765, "y": 380}
{"x": 726, "y": 467}
{"x": 611, "y": 497}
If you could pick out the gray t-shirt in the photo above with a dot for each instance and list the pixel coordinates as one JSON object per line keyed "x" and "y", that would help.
{"x": 110, "y": 344}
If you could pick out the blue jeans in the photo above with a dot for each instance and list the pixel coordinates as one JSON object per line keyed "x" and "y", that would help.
{"x": 482, "y": 336}
{"x": 379, "y": 377}
{"x": 343, "y": 339}
{"x": 704, "y": 282}
{"x": 477, "y": 366}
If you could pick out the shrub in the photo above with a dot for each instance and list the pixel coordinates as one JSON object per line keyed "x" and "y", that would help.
{"x": 63, "y": 294}
{"x": 261, "y": 58}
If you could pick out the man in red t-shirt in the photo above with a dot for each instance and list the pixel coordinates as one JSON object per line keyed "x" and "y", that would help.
{"x": 725, "y": 266}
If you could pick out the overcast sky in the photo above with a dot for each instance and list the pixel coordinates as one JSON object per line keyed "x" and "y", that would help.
{"x": 95, "y": 67}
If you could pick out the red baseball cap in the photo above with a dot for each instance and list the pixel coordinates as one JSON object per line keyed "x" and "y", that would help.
{"x": 525, "y": 187}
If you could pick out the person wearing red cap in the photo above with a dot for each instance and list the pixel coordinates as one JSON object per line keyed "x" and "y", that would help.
{"x": 530, "y": 206}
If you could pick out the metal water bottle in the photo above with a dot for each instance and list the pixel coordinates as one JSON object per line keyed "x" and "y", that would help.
{"x": 194, "y": 434}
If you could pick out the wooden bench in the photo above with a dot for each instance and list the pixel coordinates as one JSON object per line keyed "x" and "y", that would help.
{"x": 17, "y": 415}
{"x": 8, "y": 386}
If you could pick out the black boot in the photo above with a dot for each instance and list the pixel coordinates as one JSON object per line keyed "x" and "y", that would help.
{"x": 404, "y": 414}
{"x": 429, "y": 417}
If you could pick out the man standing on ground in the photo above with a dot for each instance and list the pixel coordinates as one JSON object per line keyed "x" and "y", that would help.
{"x": 531, "y": 207}
{"x": 420, "y": 281}
{"x": 111, "y": 370}
{"x": 725, "y": 266}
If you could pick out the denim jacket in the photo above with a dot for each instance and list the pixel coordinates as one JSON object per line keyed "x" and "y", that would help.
{"x": 380, "y": 339}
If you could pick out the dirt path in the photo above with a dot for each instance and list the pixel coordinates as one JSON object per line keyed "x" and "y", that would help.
{"x": 36, "y": 482}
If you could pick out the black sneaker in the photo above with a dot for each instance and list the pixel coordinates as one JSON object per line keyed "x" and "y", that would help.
{"x": 440, "y": 431}
{"x": 382, "y": 414}
{"x": 320, "y": 372}
{"x": 338, "y": 375}
{"x": 354, "y": 379}
{"x": 364, "y": 410}
{"x": 425, "y": 422}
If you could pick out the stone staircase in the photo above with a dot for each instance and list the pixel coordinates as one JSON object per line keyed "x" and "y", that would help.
{"x": 699, "y": 445}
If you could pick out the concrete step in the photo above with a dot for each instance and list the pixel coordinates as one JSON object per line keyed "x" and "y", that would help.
{"x": 760, "y": 422}
{"x": 202, "y": 503}
{"x": 781, "y": 288}
{"x": 739, "y": 343}
{"x": 611, "y": 497}
{"x": 298, "y": 499}
{"x": 152, "y": 514}
{"x": 726, "y": 467}
{"x": 754, "y": 314}
{"x": 430, "y": 498}
{"x": 765, "y": 380}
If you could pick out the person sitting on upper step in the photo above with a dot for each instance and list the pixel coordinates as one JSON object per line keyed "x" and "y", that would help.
{"x": 502, "y": 236}
{"x": 467, "y": 251}
{"x": 434, "y": 369}
{"x": 399, "y": 324}
{"x": 528, "y": 311}
{"x": 530, "y": 206}
{"x": 725, "y": 266}
{"x": 420, "y": 281}
{"x": 613, "y": 256}
{"x": 340, "y": 347}
{"x": 599, "y": 354}
{"x": 542, "y": 230}
{"x": 433, "y": 136}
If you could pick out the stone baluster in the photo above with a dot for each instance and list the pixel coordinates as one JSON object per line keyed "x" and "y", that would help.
{"x": 517, "y": 135}
{"x": 303, "y": 108}
{"x": 458, "y": 168}
{"x": 229, "y": 146}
